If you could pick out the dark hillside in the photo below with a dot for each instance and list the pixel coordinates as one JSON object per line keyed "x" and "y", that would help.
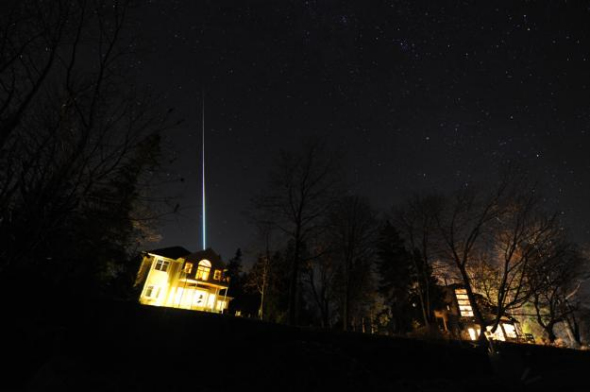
{"x": 113, "y": 346}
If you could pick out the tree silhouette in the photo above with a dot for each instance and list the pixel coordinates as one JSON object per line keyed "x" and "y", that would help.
{"x": 77, "y": 143}
{"x": 302, "y": 185}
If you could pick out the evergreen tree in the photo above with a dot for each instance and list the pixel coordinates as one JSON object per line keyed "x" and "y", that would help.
{"x": 396, "y": 279}
{"x": 243, "y": 300}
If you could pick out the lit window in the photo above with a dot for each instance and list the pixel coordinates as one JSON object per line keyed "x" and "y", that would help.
{"x": 162, "y": 265}
{"x": 217, "y": 275}
{"x": 152, "y": 292}
{"x": 465, "y": 308}
{"x": 510, "y": 330}
{"x": 203, "y": 270}
{"x": 188, "y": 268}
{"x": 149, "y": 291}
{"x": 497, "y": 335}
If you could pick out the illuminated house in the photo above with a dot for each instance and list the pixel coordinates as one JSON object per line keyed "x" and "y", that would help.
{"x": 457, "y": 319}
{"x": 175, "y": 277}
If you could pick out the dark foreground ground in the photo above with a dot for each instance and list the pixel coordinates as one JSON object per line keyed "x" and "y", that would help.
{"x": 116, "y": 346}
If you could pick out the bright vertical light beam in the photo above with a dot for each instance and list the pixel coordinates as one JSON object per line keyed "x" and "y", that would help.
{"x": 203, "y": 174}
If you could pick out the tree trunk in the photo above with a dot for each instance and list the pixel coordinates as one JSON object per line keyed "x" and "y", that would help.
{"x": 476, "y": 311}
{"x": 345, "y": 310}
{"x": 293, "y": 312}
{"x": 574, "y": 328}
{"x": 550, "y": 333}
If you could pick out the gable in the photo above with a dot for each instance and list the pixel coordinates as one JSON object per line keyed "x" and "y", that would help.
{"x": 173, "y": 252}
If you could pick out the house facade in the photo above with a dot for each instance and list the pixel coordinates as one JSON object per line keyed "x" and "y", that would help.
{"x": 175, "y": 277}
{"x": 456, "y": 317}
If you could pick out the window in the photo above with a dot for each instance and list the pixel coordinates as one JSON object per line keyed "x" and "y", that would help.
{"x": 203, "y": 269}
{"x": 162, "y": 265}
{"x": 465, "y": 308}
{"x": 152, "y": 292}
{"x": 217, "y": 275}
{"x": 510, "y": 331}
{"x": 188, "y": 268}
{"x": 149, "y": 291}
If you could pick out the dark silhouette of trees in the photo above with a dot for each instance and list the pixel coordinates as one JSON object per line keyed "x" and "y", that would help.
{"x": 463, "y": 224}
{"x": 268, "y": 279}
{"x": 396, "y": 278}
{"x": 556, "y": 280}
{"x": 351, "y": 232}
{"x": 416, "y": 220}
{"x": 242, "y": 298}
{"x": 406, "y": 282}
{"x": 77, "y": 145}
{"x": 519, "y": 235}
{"x": 321, "y": 274}
{"x": 301, "y": 187}
{"x": 502, "y": 244}
{"x": 261, "y": 274}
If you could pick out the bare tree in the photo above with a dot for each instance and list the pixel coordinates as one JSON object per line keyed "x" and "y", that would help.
{"x": 300, "y": 190}
{"x": 557, "y": 279}
{"x": 497, "y": 239}
{"x": 464, "y": 226}
{"x": 76, "y": 138}
{"x": 353, "y": 232}
{"x": 321, "y": 273}
{"x": 520, "y": 234}
{"x": 416, "y": 221}
{"x": 261, "y": 274}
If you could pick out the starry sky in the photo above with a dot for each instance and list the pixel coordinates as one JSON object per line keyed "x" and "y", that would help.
{"x": 416, "y": 95}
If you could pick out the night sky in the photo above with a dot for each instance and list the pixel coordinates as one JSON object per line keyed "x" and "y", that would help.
{"x": 416, "y": 95}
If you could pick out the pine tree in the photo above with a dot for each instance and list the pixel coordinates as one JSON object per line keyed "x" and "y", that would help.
{"x": 396, "y": 278}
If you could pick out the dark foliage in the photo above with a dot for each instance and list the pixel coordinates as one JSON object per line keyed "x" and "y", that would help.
{"x": 396, "y": 281}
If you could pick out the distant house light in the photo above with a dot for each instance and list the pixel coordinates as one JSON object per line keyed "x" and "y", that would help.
{"x": 186, "y": 282}
{"x": 465, "y": 308}
{"x": 473, "y": 333}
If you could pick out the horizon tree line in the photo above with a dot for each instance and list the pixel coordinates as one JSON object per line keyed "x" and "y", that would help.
{"x": 348, "y": 267}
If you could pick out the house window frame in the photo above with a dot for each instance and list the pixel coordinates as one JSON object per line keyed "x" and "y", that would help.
{"x": 152, "y": 291}
{"x": 203, "y": 270}
{"x": 463, "y": 303}
{"x": 162, "y": 265}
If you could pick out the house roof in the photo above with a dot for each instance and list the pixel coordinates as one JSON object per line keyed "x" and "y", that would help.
{"x": 173, "y": 252}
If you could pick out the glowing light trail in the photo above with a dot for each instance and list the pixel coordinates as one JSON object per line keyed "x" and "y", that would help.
{"x": 203, "y": 175}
